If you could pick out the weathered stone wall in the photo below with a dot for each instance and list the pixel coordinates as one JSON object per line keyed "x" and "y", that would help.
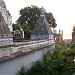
{"x": 16, "y": 55}
{"x": 5, "y": 13}
{"x": 42, "y": 37}
{"x": 11, "y": 67}
{"x": 9, "y": 49}
{"x": 5, "y": 41}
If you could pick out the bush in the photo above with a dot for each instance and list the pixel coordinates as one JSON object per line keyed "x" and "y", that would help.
{"x": 54, "y": 63}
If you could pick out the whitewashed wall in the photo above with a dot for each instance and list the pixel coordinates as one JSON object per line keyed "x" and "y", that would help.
{"x": 12, "y": 66}
{"x": 42, "y": 37}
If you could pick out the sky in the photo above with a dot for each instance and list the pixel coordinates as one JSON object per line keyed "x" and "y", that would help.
{"x": 63, "y": 11}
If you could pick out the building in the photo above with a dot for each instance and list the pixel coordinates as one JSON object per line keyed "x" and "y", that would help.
{"x": 67, "y": 40}
{"x": 42, "y": 30}
{"x": 18, "y": 54}
{"x": 5, "y": 34}
{"x": 58, "y": 36}
{"x": 18, "y": 33}
{"x": 6, "y": 15}
{"x": 73, "y": 37}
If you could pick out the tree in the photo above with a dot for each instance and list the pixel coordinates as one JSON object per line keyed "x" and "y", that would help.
{"x": 73, "y": 30}
{"x": 29, "y": 16}
{"x": 51, "y": 19}
{"x": 27, "y": 31}
{"x": 15, "y": 26}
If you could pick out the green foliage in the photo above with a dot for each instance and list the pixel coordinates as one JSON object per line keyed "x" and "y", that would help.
{"x": 15, "y": 26}
{"x": 70, "y": 51}
{"x": 55, "y": 63}
{"x": 29, "y": 16}
{"x": 22, "y": 71}
{"x": 27, "y": 31}
{"x": 73, "y": 30}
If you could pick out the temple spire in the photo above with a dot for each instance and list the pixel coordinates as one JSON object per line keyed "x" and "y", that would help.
{"x": 42, "y": 12}
{"x": 1, "y": 1}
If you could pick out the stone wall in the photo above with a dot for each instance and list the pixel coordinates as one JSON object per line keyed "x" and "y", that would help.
{"x": 40, "y": 37}
{"x": 13, "y": 57}
{"x": 12, "y": 66}
{"x": 5, "y": 41}
{"x": 5, "y": 13}
{"x": 14, "y": 49}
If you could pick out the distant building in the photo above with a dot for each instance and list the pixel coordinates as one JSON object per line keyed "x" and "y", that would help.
{"x": 18, "y": 34}
{"x": 42, "y": 29}
{"x": 73, "y": 37}
{"x": 67, "y": 40}
{"x": 58, "y": 36}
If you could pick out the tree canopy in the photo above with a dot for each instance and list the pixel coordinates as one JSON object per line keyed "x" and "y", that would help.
{"x": 29, "y": 16}
{"x": 73, "y": 30}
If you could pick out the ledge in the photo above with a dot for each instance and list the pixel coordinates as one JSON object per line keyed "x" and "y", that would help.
{"x": 23, "y": 49}
{"x": 24, "y": 52}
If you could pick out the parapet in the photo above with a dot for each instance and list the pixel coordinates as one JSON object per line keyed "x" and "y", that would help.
{"x": 17, "y": 49}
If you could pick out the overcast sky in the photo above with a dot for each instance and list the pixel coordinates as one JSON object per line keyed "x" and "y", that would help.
{"x": 63, "y": 11}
